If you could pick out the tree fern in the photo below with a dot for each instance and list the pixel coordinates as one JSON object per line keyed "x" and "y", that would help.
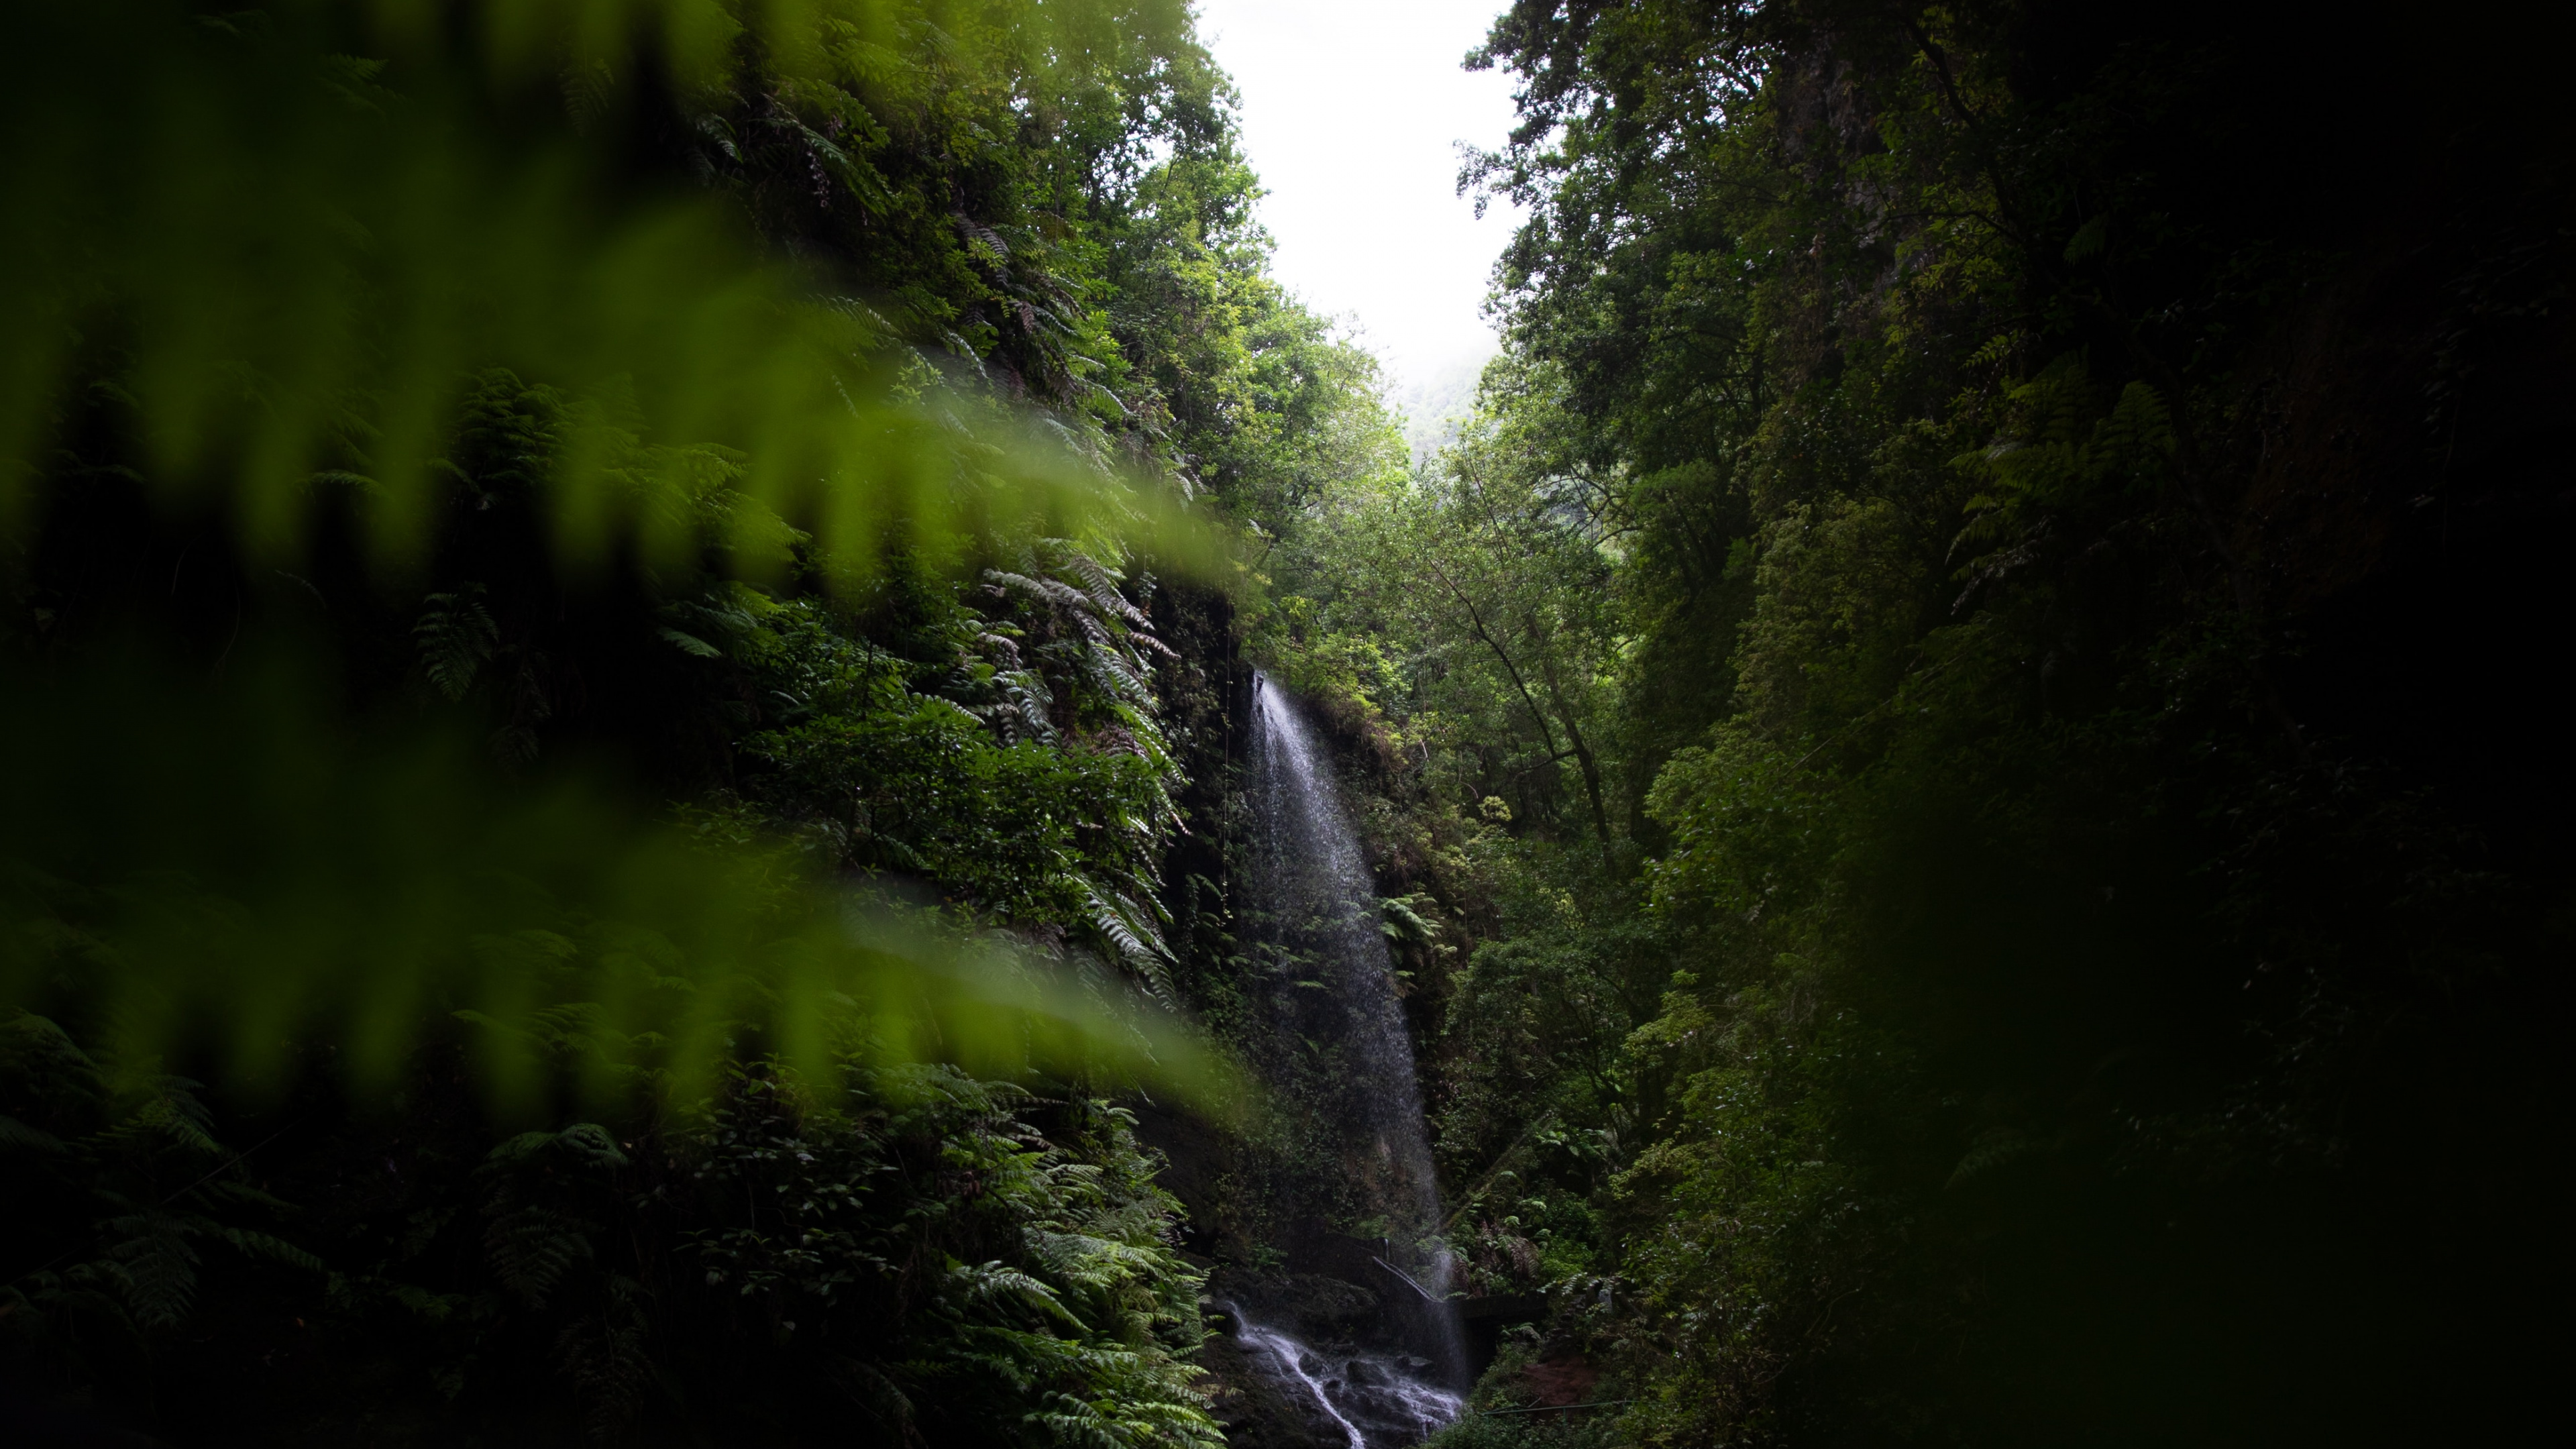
{"x": 111, "y": 1139}
{"x": 605, "y": 1355}
{"x": 456, "y": 637}
{"x": 533, "y": 1186}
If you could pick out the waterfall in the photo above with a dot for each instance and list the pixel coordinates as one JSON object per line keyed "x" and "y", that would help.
{"x": 1318, "y": 937}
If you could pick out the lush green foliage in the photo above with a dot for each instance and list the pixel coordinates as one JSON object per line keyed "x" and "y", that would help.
{"x": 589, "y": 589}
{"x": 609, "y": 636}
{"x": 1962, "y": 932}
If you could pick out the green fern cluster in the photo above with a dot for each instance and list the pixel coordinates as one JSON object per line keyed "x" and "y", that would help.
{"x": 114, "y": 1169}
{"x": 1020, "y": 767}
{"x": 1006, "y": 1283}
{"x": 2063, "y": 452}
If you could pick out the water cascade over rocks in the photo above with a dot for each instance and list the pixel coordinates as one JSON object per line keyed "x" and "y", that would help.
{"x": 1364, "y": 1400}
{"x": 1318, "y": 937}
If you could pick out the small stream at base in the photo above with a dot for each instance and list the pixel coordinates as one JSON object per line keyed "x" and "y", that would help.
{"x": 1373, "y": 1399}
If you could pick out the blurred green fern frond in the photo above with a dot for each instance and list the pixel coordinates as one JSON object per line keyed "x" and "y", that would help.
{"x": 292, "y": 264}
{"x": 306, "y": 288}
{"x": 231, "y": 876}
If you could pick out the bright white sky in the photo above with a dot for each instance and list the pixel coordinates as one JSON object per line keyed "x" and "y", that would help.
{"x": 1352, "y": 111}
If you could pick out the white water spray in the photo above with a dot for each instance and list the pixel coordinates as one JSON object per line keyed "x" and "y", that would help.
{"x": 1287, "y": 1358}
{"x": 1370, "y": 1399}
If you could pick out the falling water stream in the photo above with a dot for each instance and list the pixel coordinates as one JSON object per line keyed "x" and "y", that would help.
{"x": 1321, "y": 925}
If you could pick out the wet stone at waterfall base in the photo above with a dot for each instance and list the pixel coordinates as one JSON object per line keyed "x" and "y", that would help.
{"x": 1362, "y": 1400}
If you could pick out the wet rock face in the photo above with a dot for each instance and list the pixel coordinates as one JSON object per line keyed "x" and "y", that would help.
{"x": 1254, "y": 1408}
{"x": 1309, "y": 1306}
{"x": 1381, "y": 1397}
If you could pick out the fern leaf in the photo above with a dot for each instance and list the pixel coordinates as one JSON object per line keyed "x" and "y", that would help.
{"x": 154, "y": 1265}
{"x": 455, "y": 637}
{"x": 690, "y": 644}
{"x": 275, "y": 1250}
{"x": 18, "y": 1136}
{"x": 532, "y": 1249}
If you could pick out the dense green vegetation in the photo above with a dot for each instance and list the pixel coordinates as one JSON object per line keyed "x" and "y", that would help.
{"x": 589, "y": 584}
{"x": 1971, "y": 700}
{"x": 625, "y": 624}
